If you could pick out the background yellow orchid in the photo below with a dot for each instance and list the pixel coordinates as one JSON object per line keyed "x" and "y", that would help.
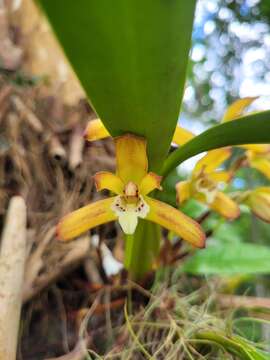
{"x": 260, "y": 160}
{"x": 258, "y": 200}
{"x": 258, "y": 155}
{"x": 204, "y": 184}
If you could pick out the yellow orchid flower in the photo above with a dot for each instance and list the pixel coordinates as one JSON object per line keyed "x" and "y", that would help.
{"x": 131, "y": 184}
{"x": 95, "y": 130}
{"x": 204, "y": 182}
{"x": 258, "y": 155}
{"x": 259, "y": 161}
{"x": 258, "y": 201}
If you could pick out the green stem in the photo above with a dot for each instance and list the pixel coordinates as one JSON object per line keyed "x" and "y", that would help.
{"x": 142, "y": 248}
{"x": 233, "y": 344}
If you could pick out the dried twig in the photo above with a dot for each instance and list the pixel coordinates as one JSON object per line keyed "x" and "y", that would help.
{"x": 78, "y": 353}
{"x": 4, "y": 93}
{"x": 91, "y": 271}
{"x": 3, "y": 110}
{"x": 56, "y": 149}
{"x": 243, "y": 301}
{"x": 27, "y": 114}
{"x": 102, "y": 308}
{"x": 13, "y": 251}
{"x": 74, "y": 253}
{"x": 10, "y": 54}
{"x": 35, "y": 263}
{"x": 76, "y": 148}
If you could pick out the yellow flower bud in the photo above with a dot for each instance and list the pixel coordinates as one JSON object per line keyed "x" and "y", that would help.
{"x": 258, "y": 201}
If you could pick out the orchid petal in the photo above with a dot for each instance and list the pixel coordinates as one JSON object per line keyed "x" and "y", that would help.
{"x": 225, "y": 206}
{"x": 262, "y": 189}
{"x": 183, "y": 191}
{"x": 150, "y": 182}
{"x": 131, "y": 158}
{"x": 261, "y": 164}
{"x": 95, "y": 130}
{"x": 181, "y": 136}
{"x": 109, "y": 181}
{"x": 221, "y": 176}
{"x": 236, "y": 109}
{"x": 85, "y": 218}
{"x": 212, "y": 160}
{"x": 174, "y": 220}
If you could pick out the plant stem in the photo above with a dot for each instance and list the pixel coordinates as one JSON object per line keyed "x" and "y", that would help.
{"x": 142, "y": 248}
{"x": 233, "y": 344}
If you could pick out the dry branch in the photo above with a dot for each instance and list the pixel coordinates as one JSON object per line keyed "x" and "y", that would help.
{"x": 10, "y": 54}
{"x": 12, "y": 260}
{"x": 76, "y": 148}
{"x": 236, "y": 301}
{"x": 51, "y": 268}
{"x": 56, "y": 149}
{"x": 27, "y": 114}
{"x": 78, "y": 353}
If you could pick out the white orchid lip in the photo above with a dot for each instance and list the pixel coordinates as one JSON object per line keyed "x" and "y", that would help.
{"x": 207, "y": 187}
{"x": 128, "y": 213}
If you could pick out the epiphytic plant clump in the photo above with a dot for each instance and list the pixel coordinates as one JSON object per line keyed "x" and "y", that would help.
{"x": 131, "y": 57}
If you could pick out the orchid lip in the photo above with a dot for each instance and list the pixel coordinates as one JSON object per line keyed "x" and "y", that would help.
{"x": 128, "y": 213}
{"x": 206, "y": 187}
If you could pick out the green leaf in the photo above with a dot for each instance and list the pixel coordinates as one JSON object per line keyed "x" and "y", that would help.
{"x": 168, "y": 193}
{"x": 240, "y": 230}
{"x": 131, "y": 58}
{"x": 229, "y": 259}
{"x": 234, "y": 344}
{"x": 250, "y": 129}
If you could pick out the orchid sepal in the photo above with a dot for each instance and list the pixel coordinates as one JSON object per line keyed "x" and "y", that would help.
{"x": 176, "y": 221}
{"x": 85, "y": 218}
{"x": 95, "y": 130}
{"x": 258, "y": 200}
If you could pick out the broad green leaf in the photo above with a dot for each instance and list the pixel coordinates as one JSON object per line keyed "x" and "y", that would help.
{"x": 240, "y": 230}
{"x": 168, "y": 193}
{"x": 252, "y": 129}
{"x": 131, "y": 58}
{"x": 229, "y": 259}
